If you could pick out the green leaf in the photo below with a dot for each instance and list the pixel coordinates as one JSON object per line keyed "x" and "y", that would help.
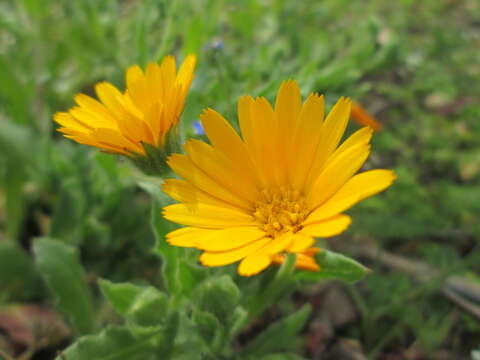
{"x": 18, "y": 279}
{"x": 121, "y": 295}
{"x": 60, "y": 267}
{"x": 65, "y": 217}
{"x": 281, "y": 284}
{"x": 335, "y": 266}
{"x": 238, "y": 319}
{"x": 15, "y": 142}
{"x": 14, "y": 179}
{"x": 209, "y": 328}
{"x": 287, "y": 328}
{"x": 144, "y": 305}
{"x": 115, "y": 343}
{"x": 219, "y": 296}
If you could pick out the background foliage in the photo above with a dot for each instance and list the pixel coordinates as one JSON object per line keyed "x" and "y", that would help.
{"x": 71, "y": 215}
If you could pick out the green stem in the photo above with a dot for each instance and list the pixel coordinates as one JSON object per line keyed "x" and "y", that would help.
{"x": 278, "y": 285}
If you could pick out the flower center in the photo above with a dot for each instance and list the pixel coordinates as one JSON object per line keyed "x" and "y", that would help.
{"x": 280, "y": 210}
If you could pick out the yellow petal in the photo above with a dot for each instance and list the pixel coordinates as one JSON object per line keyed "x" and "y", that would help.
{"x": 186, "y": 193}
{"x": 337, "y": 173}
{"x": 333, "y": 129}
{"x": 208, "y": 216}
{"x": 327, "y": 228}
{"x": 287, "y": 113}
{"x": 356, "y": 189}
{"x": 95, "y": 109}
{"x": 93, "y": 120}
{"x": 186, "y": 169}
{"x": 154, "y": 116}
{"x": 185, "y": 73}
{"x": 335, "y": 124}
{"x": 300, "y": 243}
{"x": 362, "y": 136}
{"x": 220, "y": 169}
{"x": 254, "y": 263}
{"x": 306, "y": 139}
{"x": 259, "y": 260}
{"x": 116, "y": 139}
{"x": 87, "y": 139}
{"x": 154, "y": 84}
{"x": 109, "y": 95}
{"x": 228, "y": 257}
{"x": 224, "y": 138}
{"x": 186, "y": 236}
{"x": 268, "y": 155}
{"x": 168, "y": 69}
{"x": 287, "y": 107}
{"x": 228, "y": 239}
{"x": 135, "y": 129}
{"x": 69, "y": 122}
{"x": 137, "y": 87}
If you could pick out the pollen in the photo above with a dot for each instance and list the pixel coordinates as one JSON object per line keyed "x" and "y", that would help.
{"x": 280, "y": 210}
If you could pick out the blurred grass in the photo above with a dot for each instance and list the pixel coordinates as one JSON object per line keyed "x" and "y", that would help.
{"x": 413, "y": 64}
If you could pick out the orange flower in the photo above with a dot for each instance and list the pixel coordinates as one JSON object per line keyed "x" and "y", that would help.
{"x": 362, "y": 116}
{"x": 305, "y": 260}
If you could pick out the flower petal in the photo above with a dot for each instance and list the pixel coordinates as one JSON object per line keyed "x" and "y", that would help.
{"x": 185, "y": 73}
{"x": 103, "y": 117}
{"x": 337, "y": 173}
{"x": 327, "y": 228}
{"x": 287, "y": 115}
{"x": 356, "y": 189}
{"x": 208, "y": 216}
{"x": 224, "y": 138}
{"x": 300, "y": 243}
{"x": 333, "y": 129}
{"x": 220, "y": 169}
{"x": 259, "y": 260}
{"x": 182, "y": 165}
{"x": 306, "y": 138}
{"x": 228, "y": 239}
{"x": 188, "y": 194}
{"x": 68, "y": 121}
{"x": 228, "y": 257}
{"x": 186, "y": 236}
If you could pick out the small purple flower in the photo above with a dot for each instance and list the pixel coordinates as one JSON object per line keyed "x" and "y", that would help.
{"x": 198, "y": 128}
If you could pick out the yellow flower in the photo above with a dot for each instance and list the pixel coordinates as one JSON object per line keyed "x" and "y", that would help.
{"x": 273, "y": 190}
{"x": 124, "y": 123}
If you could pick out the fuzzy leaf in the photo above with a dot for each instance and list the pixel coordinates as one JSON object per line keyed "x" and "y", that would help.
{"x": 144, "y": 305}
{"x": 335, "y": 266}
{"x": 17, "y": 273}
{"x": 114, "y": 343}
{"x": 121, "y": 295}
{"x": 278, "y": 336}
{"x": 219, "y": 296}
{"x": 61, "y": 269}
{"x": 209, "y": 328}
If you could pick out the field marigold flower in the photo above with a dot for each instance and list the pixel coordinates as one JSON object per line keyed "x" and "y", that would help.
{"x": 139, "y": 120}
{"x": 273, "y": 190}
